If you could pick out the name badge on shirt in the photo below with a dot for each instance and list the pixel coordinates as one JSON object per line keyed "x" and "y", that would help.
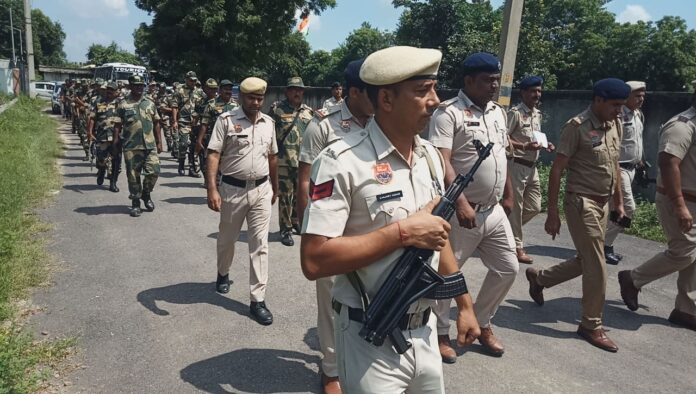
{"x": 595, "y": 139}
{"x": 390, "y": 196}
{"x": 473, "y": 124}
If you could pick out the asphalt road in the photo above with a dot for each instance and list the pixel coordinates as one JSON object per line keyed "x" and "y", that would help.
{"x": 139, "y": 295}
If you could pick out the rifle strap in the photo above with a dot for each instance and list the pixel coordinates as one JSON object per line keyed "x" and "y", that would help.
{"x": 357, "y": 284}
{"x": 433, "y": 172}
{"x": 282, "y": 139}
{"x": 454, "y": 285}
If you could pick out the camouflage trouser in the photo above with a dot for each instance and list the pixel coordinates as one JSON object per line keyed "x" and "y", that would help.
{"x": 287, "y": 187}
{"x": 167, "y": 131}
{"x": 203, "y": 156}
{"x": 82, "y": 133}
{"x": 184, "y": 141}
{"x": 145, "y": 163}
{"x": 104, "y": 155}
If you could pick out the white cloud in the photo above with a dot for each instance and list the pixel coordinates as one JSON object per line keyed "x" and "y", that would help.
{"x": 98, "y": 8}
{"x": 634, "y": 13}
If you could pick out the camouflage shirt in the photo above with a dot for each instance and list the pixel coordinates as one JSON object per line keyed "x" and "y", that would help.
{"x": 138, "y": 118}
{"x": 162, "y": 103}
{"x": 186, "y": 99}
{"x": 290, "y": 127}
{"x": 104, "y": 114}
{"x": 215, "y": 108}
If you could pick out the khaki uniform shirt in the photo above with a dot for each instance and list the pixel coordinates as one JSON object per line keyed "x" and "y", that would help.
{"x": 455, "y": 125}
{"x": 678, "y": 138}
{"x": 138, "y": 118}
{"x": 360, "y": 184}
{"x": 330, "y": 102}
{"x": 593, "y": 149}
{"x": 632, "y": 140}
{"x": 243, "y": 144}
{"x": 522, "y": 122}
{"x": 326, "y": 128}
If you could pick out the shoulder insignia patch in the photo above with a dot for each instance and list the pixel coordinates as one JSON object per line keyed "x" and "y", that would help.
{"x": 317, "y": 192}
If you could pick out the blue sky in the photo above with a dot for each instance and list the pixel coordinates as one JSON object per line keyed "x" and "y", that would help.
{"x": 102, "y": 21}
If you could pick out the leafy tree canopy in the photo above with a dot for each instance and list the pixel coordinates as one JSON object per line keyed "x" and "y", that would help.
{"x": 98, "y": 54}
{"x": 48, "y": 36}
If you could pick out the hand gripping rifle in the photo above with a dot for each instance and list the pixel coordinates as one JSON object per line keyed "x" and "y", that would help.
{"x": 413, "y": 278}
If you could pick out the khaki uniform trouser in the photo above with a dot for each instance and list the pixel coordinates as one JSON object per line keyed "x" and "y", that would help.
{"x": 366, "y": 368}
{"x": 494, "y": 241}
{"x": 586, "y": 223}
{"x": 680, "y": 256}
{"x": 526, "y": 189}
{"x": 254, "y": 206}
{"x": 629, "y": 204}
{"x": 325, "y": 326}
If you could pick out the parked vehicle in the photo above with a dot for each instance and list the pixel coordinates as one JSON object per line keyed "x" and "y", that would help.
{"x": 56, "y": 105}
{"x": 42, "y": 90}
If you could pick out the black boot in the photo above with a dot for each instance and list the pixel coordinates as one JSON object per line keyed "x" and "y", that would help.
{"x": 100, "y": 176}
{"x": 149, "y": 205}
{"x": 260, "y": 313}
{"x": 135, "y": 210}
{"x": 611, "y": 257}
{"x": 286, "y": 238}
{"x": 222, "y": 285}
{"x": 181, "y": 167}
{"x": 112, "y": 182}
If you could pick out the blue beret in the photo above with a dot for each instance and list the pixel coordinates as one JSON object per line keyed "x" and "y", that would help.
{"x": 530, "y": 81}
{"x": 352, "y": 74}
{"x": 480, "y": 62}
{"x": 611, "y": 89}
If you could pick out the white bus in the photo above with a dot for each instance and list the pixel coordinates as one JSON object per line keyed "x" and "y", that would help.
{"x": 120, "y": 72}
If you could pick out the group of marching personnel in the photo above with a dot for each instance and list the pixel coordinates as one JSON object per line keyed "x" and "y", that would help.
{"x": 358, "y": 181}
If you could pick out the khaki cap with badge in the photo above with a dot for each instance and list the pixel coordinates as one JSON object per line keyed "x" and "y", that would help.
{"x": 253, "y": 85}
{"x": 295, "y": 82}
{"x": 400, "y": 63}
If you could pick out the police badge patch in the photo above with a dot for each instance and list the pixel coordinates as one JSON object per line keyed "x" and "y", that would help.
{"x": 237, "y": 128}
{"x": 345, "y": 124}
{"x": 595, "y": 138}
{"x": 383, "y": 173}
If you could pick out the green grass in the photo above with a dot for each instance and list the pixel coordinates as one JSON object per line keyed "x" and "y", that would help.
{"x": 27, "y": 172}
{"x": 644, "y": 222}
{"x": 5, "y": 98}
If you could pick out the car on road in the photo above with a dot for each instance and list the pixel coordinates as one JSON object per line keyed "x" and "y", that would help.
{"x": 42, "y": 90}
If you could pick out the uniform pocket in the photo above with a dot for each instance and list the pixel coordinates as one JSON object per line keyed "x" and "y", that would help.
{"x": 386, "y": 207}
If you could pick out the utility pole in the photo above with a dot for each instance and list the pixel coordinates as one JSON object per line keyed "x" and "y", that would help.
{"x": 14, "y": 57}
{"x": 509, "y": 37}
{"x": 29, "y": 40}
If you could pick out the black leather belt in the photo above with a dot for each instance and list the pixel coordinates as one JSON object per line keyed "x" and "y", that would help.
{"x": 230, "y": 180}
{"x": 409, "y": 321}
{"x": 627, "y": 166}
{"x": 524, "y": 162}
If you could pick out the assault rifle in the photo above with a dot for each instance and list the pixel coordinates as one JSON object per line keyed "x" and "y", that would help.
{"x": 413, "y": 278}
{"x": 642, "y": 178}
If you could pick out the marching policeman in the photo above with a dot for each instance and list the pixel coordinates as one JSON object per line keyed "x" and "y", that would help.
{"x": 371, "y": 195}
{"x": 676, "y": 208}
{"x": 589, "y": 151}
{"x": 102, "y": 120}
{"x": 347, "y": 117}
{"x": 243, "y": 148}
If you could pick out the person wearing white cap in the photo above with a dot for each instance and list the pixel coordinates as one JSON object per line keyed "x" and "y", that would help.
{"x": 242, "y": 146}
{"x": 371, "y": 194}
{"x": 630, "y": 158}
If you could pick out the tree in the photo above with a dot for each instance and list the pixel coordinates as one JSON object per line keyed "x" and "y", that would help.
{"x": 99, "y": 54}
{"x": 48, "y": 36}
{"x": 288, "y": 63}
{"x": 224, "y": 38}
{"x": 319, "y": 69}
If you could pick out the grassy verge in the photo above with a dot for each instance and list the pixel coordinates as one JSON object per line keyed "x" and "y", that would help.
{"x": 644, "y": 222}
{"x": 27, "y": 172}
{"x": 5, "y": 98}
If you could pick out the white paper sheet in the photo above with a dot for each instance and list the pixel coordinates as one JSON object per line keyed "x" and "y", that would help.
{"x": 541, "y": 139}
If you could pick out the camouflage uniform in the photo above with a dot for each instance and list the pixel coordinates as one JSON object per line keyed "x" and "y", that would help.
{"x": 81, "y": 122}
{"x": 139, "y": 145}
{"x": 290, "y": 126}
{"x": 104, "y": 114}
{"x": 185, "y": 99}
{"x": 162, "y": 103}
{"x": 209, "y": 115}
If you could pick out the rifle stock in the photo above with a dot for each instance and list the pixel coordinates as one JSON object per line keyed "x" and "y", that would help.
{"x": 412, "y": 277}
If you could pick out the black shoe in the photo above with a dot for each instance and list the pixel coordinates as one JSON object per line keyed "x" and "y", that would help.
{"x": 611, "y": 257}
{"x": 222, "y": 285}
{"x": 100, "y": 176}
{"x": 86, "y": 158}
{"x": 135, "y": 210}
{"x": 113, "y": 187}
{"x": 286, "y": 238}
{"x": 296, "y": 228}
{"x": 260, "y": 313}
{"x": 193, "y": 174}
{"x": 149, "y": 205}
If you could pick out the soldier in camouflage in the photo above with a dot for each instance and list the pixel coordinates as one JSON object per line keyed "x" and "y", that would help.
{"x": 162, "y": 103}
{"x": 210, "y": 89}
{"x": 214, "y": 108}
{"x": 138, "y": 132}
{"x": 100, "y": 128}
{"x": 291, "y": 118}
{"x": 183, "y": 106}
{"x": 80, "y": 121}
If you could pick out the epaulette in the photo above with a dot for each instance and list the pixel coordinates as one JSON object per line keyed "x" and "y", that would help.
{"x": 580, "y": 118}
{"x": 344, "y": 144}
{"x": 447, "y": 103}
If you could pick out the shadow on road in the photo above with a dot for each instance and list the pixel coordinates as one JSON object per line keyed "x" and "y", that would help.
{"x": 187, "y": 294}
{"x": 80, "y": 164}
{"x": 81, "y": 175}
{"x": 311, "y": 339}
{"x": 551, "y": 251}
{"x": 85, "y": 188}
{"x": 193, "y": 185}
{"x": 187, "y": 200}
{"x": 255, "y": 371}
{"x": 104, "y": 210}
